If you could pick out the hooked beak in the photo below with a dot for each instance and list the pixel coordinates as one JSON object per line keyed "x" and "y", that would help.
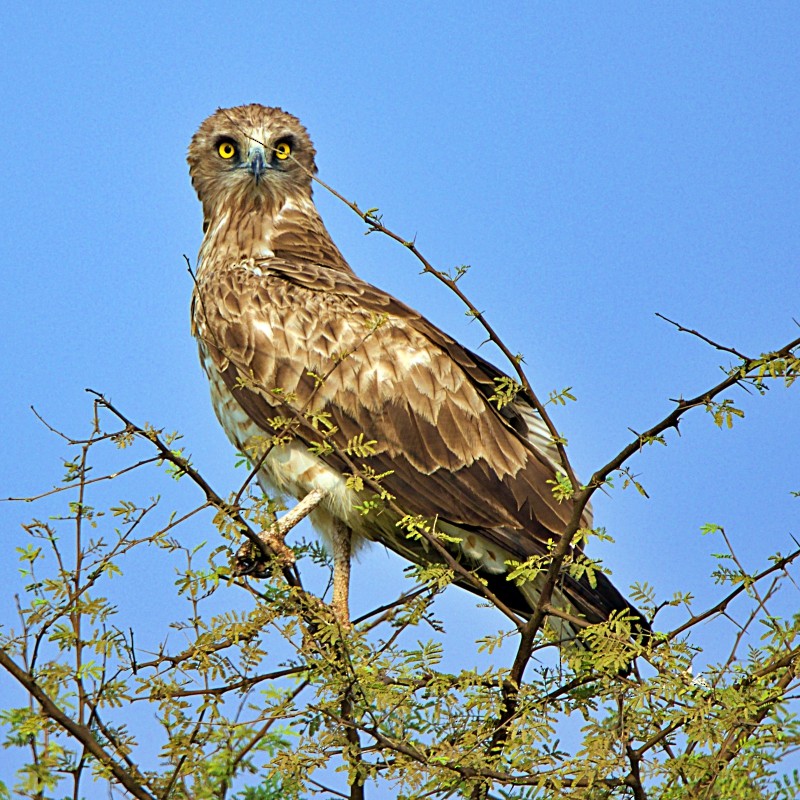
{"x": 256, "y": 164}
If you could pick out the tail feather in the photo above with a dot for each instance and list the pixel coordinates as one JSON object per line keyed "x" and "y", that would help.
{"x": 578, "y": 598}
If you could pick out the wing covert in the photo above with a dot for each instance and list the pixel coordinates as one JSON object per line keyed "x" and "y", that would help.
{"x": 334, "y": 344}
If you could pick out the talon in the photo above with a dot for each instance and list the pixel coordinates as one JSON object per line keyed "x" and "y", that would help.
{"x": 244, "y": 566}
{"x": 248, "y": 562}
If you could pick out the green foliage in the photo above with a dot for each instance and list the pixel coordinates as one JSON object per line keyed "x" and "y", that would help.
{"x": 724, "y": 412}
{"x": 561, "y": 398}
{"x": 505, "y": 391}
{"x": 562, "y": 487}
{"x": 258, "y": 693}
{"x": 770, "y": 366}
{"x": 356, "y": 446}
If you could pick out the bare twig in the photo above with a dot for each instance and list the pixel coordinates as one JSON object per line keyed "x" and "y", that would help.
{"x": 716, "y": 345}
{"x": 722, "y": 605}
{"x": 244, "y": 683}
{"x": 59, "y": 489}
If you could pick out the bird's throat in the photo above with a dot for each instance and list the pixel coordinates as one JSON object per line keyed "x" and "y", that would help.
{"x": 238, "y": 234}
{"x": 247, "y": 232}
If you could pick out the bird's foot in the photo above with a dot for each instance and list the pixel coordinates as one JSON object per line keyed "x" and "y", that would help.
{"x": 250, "y": 561}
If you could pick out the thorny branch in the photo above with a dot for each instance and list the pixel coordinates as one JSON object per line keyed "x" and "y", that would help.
{"x": 632, "y": 780}
{"x": 133, "y": 783}
{"x": 582, "y": 494}
{"x": 779, "y": 566}
{"x": 716, "y": 345}
{"x": 599, "y": 478}
{"x": 375, "y": 224}
{"x": 540, "y": 778}
{"x": 290, "y": 575}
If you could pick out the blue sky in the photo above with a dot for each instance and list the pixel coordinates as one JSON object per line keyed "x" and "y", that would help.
{"x": 594, "y": 163}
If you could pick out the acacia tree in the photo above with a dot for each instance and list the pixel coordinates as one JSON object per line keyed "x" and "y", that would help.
{"x": 267, "y": 695}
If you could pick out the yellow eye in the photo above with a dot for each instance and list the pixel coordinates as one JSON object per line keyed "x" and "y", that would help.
{"x": 226, "y": 150}
{"x": 282, "y": 151}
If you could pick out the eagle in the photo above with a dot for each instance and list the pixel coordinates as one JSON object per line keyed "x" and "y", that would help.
{"x": 331, "y": 384}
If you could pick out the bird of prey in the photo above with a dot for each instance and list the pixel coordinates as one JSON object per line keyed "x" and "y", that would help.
{"x": 299, "y": 349}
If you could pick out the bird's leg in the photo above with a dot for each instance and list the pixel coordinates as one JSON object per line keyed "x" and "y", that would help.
{"x": 341, "y": 574}
{"x": 250, "y": 561}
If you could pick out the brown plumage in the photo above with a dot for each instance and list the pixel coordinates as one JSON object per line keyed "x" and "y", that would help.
{"x": 276, "y": 307}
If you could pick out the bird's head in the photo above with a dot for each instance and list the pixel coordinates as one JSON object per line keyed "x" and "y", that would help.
{"x": 250, "y": 156}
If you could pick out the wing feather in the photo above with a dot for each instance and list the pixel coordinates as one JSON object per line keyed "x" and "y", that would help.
{"x": 403, "y": 383}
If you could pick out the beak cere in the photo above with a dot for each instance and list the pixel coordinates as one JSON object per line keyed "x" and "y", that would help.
{"x": 256, "y": 163}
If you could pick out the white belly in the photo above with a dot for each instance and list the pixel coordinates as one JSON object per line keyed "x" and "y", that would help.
{"x": 289, "y": 469}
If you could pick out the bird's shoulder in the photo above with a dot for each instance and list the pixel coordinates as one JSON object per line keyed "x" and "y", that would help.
{"x": 245, "y": 293}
